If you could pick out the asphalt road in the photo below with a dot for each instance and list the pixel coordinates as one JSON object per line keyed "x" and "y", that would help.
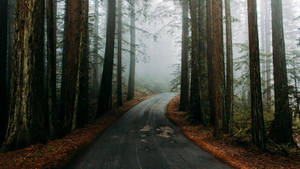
{"x": 144, "y": 139}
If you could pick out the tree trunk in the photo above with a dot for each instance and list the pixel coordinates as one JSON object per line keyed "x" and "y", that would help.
{"x": 131, "y": 80}
{"x": 195, "y": 107}
{"x": 3, "y": 68}
{"x": 204, "y": 97}
{"x": 73, "y": 64}
{"x": 26, "y": 112}
{"x": 209, "y": 60}
{"x": 53, "y": 114}
{"x": 267, "y": 57}
{"x": 218, "y": 66}
{"x": 105, "y": 95}
{"x": 184, "y": 88}
{"x": 83, "y": 113}
{"x": 229, "y": 72}
{"x": 281, "y": 130}
{"x": 119, "y": 71}
{"x": 258, "y": 129}
{"x": 95, "y": 65}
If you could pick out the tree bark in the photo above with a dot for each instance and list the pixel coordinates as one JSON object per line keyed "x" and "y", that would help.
{"x": 74, "y": 63}
{"x": 258, "y": 128}
{"x": 204, "y": 96}
{"x": 281, "y": 130}
{"x": 218, "y": 66}
{"x": 267, "y": 58}
{"x": 209, "y": 60}
{"x": 26, "y": 111}
{"x": 229, "y": 72}
{"x": 3, "y": 68}
{"x": 53, "y": 114}
{"x": 119, "y": 71}
{"x": 184, "y": 88}
{"x": 96, "y": 57}
{"x": 83, "y": 113}
{"x": 195, "y": 106}
{"x": 131, "y": 80}
{"x": 105, "y": 95}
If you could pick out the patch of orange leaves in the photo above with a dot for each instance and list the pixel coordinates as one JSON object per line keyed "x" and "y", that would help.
{"x": 56, "y": 153}
{"x": 226, "y": 149}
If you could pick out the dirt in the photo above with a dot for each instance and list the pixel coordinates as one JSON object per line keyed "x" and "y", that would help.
{"x": 56, "y": 153}
{"x": 227, "y": 149}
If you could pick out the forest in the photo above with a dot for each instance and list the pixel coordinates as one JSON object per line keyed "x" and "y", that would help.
{"x": 128, "y": 83}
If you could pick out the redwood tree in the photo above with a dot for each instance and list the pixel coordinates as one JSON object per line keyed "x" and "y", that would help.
{"x": 258, "y": 128}
{"x": 195, "y": 106}
{"x": 218, "y": 66}
{"x": 209, "y": 51}
{"x": 184, "y": 88}
{"x": 26, "y": 111}
{"x": 105, "y": 95}
{"x": 119, "y": 65}
{"x": 282, "y": 125}
{"x": 131, "y": 81}
{"x": 204, "y": 95}
{"x": 73, "y": 97}
{"x": 53, "y": 114}
{"x": 229, "y": 72}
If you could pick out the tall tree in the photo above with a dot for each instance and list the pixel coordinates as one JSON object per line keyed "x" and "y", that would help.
{"x": 204, "y": 96}
{"x": 209, "y": 59}
{"x": 96, "y": 57}
{"x": 119, "y": 65}
{"x": 268, "y": 52}
{"x": 72, "y": 104}
{"x": 105, "y": 95}
{"x": 184, "y": 88}
{"x": 3, "y": 67}
{"x": 229, "y": 71}
{"x": 258, "y": 129}
{"x": 53, "y": 114}
{"x": 218, "y": 66}
{"x": 83, "y": 113}
{"x": 26, "y": 113}
{"x": 131, "y": 80}
{"x": 195, "y": 106}
{"x": 282, "y": 125}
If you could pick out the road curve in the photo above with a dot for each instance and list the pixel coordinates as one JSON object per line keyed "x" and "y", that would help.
{"x": 144, "y": 139}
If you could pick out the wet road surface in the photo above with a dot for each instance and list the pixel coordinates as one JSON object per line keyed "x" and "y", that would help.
{"x": 144, "y": 139}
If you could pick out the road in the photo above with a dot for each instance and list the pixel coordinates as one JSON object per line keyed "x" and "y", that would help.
{"x": 144, "y": 138}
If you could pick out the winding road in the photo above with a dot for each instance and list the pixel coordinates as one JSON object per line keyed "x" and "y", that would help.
{"x": 144, "y": 138}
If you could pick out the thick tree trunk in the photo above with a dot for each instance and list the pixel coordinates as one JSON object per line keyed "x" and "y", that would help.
{"x": 105, "y": 95}
{"x": 195, "y": 106}
{"x": 53, "y": 114}
{"x": 3, "y": 68}
{"x": 119, "y": 71}
{"x": 83, "y": 113}
{"x": 229, "y": 72}
{"x": 26, "y": 112}
{"x": 131, "y": 80}
{"x": 74, "y": 58}
{"x": 209, "y": 60}
{"x": 267, "y": 57}
{"x": 281, "y": 130}
{"x": 204, "y": 97}
{"x": 218, "y": 66}
{"x": 184, "y": 88}
{"x": 258, "y": 129}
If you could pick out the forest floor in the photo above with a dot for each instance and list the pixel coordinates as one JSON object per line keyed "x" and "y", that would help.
{"x": 227, "y": 149}
{"x": 57, "y": 153}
